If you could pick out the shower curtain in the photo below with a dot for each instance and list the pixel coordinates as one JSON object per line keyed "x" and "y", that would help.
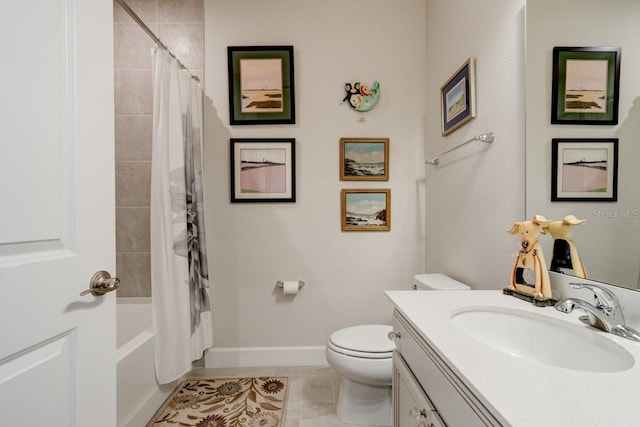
{"x": 179, "y": 276}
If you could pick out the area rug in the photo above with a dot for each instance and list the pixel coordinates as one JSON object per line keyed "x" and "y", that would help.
{"x": 227, "y": 402}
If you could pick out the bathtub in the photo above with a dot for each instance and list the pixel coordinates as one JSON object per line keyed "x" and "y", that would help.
{"x": 138, "y": 393}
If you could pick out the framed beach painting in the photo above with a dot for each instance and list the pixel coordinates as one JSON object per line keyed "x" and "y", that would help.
{"x": 263, "y": 170}
{"x": 584, "y": 169}
{"x": 458, "y": 98}
{"x": 366, "y": 209}
{"x": 586, "y": 84}
{"x": 364, "y": 159}
{"x": 261, "y": 85}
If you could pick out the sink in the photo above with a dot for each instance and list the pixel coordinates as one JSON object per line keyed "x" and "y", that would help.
{"x": 542, "y": 339}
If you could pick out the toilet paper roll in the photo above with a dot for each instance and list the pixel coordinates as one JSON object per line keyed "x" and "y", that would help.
{"x": 290, "y": 287}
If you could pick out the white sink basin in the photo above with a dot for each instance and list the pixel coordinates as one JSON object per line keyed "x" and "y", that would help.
{"x": 543, "y": 339}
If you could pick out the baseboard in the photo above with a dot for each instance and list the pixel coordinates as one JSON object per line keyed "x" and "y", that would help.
{"x": 150, "y": 406}
{"x": 246, "y": 357}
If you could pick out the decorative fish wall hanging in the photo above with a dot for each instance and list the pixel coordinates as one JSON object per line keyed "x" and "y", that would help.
{"x": 361, "y": 97}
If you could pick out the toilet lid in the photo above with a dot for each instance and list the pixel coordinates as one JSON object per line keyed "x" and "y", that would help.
{"x": 363, "y": 341}
{"x": 437, "y": 282}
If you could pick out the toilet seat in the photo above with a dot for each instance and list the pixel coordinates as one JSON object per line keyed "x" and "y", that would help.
{"x": 364, "y": 341}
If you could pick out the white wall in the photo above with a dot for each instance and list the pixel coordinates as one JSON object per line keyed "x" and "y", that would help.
{"x": 251, "y": 246}
{"x": 477, "y": 192}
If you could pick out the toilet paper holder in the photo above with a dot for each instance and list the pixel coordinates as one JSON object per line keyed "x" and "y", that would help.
{"x": 280, "y": 284}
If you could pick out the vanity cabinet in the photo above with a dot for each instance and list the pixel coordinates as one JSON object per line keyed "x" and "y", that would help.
{"x": 412, "y": 407}
{"x": 426, "y": 389}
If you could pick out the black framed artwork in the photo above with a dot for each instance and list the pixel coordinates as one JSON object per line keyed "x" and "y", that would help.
{"x": 584, "y": 169}
{"x": 586, "y": 85}
{"x": 261, "y": 85}
{"x": 263, "y": 170}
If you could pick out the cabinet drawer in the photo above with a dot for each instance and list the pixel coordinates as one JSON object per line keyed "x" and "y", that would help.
{"x": 455, "y": 403}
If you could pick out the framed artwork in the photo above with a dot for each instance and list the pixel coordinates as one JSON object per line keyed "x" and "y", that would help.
{"x": 586, "y": 84}
{"x": 364, "y": 159}
{"x": 584, "y": 169}
{"x": 458, "y": 98}
{"x": 366, "y": 209}
{"x": 263, "y": 170}
{"x": 261, "y": 85}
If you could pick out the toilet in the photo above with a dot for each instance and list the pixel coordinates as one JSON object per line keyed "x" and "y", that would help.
{"x": 362, "y": 354}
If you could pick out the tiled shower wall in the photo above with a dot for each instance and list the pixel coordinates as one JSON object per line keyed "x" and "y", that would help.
{"x": 180, "y": 26}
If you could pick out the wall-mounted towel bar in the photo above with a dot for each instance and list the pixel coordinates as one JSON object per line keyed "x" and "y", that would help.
{"x": 483, "y": 137}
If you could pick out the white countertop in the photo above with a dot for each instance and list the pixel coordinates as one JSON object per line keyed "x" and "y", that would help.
{"x": 524, "y": 392}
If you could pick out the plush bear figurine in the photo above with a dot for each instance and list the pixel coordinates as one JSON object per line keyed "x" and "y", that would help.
{"x": 565, "y": 253}
{"x": 530, "y": 257}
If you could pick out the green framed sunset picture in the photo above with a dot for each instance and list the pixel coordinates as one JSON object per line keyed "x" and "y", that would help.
{"x": 261, "y": 85}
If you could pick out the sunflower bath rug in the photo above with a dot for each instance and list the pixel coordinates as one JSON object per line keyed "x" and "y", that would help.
{"x": 228, "y": 402}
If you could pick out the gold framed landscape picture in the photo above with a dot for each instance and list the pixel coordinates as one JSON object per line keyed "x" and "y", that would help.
{"x": 364, "y": 159}
{"x": 458, "y": 98}
{"x": 366, "y": 209}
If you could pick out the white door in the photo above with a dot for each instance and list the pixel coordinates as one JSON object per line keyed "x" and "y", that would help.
{"x": 57, "y": 348}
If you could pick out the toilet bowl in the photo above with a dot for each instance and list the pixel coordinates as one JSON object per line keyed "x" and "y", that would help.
{"x": 362, "y": 355}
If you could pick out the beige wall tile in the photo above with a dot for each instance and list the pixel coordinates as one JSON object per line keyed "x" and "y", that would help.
{"x": 145, "y": 9}
{"x": 134, "y": 272}
{"x": 185, "y": 41}
{"x": 183, "y": 33}
{"x": 133, "y": 92}
{"x": 181, "y": 11}
{"x": 133, "y": 137}
{"x": 132, "y": 46}
{"x": 133, "y": 184}
{"x": 132, "y": 229}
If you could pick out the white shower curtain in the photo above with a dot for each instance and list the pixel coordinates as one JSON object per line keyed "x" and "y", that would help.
{"x": 179, "y": 276}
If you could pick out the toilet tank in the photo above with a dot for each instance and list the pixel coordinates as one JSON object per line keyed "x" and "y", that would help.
{"x": 436, "y": 282}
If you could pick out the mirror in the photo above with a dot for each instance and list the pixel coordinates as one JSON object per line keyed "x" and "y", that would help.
{"x": 609, "y": 240}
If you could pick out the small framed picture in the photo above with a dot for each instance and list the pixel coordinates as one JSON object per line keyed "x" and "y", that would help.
{"x": 586, "y": 83}
{"x": 261, "y": 85}
{"x": 584, "y": 170}
{"x": 364, "y": 159}
{"x": 366, "y": 209}
{"x": 263, "y": 170}
{"x": 458, "y": 98}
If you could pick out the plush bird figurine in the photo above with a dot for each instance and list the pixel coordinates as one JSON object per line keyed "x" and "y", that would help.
{"x": 360, "y": 97}
{"x": 353, "y": 91}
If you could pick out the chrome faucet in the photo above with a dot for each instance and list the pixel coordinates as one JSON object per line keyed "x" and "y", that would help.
{"x": 605, "y": 313}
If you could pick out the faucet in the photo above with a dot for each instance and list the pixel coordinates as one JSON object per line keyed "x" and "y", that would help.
{"x": 605, "y": 313}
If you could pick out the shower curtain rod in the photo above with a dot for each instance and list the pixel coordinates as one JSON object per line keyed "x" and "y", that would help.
{"x": 151, "y": 34}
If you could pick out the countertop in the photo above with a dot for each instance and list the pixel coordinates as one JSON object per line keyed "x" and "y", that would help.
{"x": 523, "y": 392}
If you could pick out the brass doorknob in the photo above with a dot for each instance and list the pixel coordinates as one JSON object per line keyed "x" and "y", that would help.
{"x": 101, "y": 283}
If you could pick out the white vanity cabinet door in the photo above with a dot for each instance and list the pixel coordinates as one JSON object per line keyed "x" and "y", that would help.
{"x": 411, "y": 407}
{"x": 455, "y": 402}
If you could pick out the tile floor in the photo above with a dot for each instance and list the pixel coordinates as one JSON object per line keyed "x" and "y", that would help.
{"x": 313, "y": 392}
